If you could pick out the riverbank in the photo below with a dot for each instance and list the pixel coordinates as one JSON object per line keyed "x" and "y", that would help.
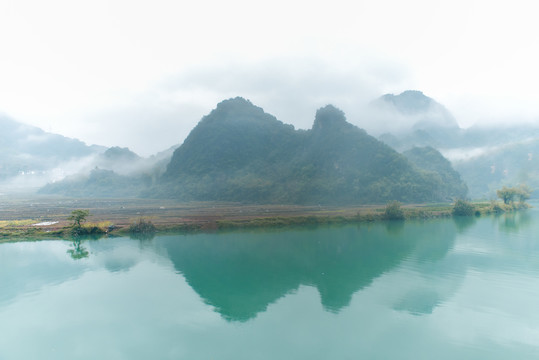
{"x": 46, "y": 217}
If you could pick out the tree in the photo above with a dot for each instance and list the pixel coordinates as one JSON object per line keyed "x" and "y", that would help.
{"x": 523, "y": 193}
{"x": 78, "y": 217}
{"x": 507, "y": 194}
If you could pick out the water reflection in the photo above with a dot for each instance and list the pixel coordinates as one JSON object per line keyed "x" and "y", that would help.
{"x": 439, "y": 288}
{"x": 143, "y": 236}
{"x": 78, "y": 251}
{"x": 419, "y": 301}
{"x": 427, "y": 282}
{"x": 464, "y": 222}
{"x": 241, "y": 273}
{"x": 514, "y": 221}
{"x": 394, "y": 227}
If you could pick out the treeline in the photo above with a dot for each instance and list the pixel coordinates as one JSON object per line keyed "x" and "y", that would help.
{"x": 508, "y": 195}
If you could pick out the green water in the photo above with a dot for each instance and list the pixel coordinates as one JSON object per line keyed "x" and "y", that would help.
{"x": 441, "y": 289}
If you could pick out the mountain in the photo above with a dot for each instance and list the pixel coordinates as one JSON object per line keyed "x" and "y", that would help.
{"x": 18, "y": 138}
{"x": 98, "y": 183}
{"x": 412, "y": 119}
{"x": 487, "y": 157}
{"x": 117, "y": 153}
{"x": 415, "y": 103}
{"x": 31, "y": 156}
{"x": 240, "y": 153}
{"x": 235, "y": 135}
{"x": 118, "y": 172}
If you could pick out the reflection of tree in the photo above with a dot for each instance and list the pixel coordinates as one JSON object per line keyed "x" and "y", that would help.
{"x": 464, "y": 222}
{"x": 142, "y": 236}
{"x": 78, "y": 251}
{"x": 240, "y": 274}
{"x": 394, "y": 227}
{"x": 514, "y": 221}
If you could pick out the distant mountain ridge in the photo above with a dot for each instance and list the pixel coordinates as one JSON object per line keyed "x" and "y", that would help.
{"x": 118, "y": 172}
{"x": 404, "y": 114}
{"x": 16, "y": 137}
{"x": 414, "y": 102}
{"x": 28, "y": 153}
{"x": 31, "y": 158}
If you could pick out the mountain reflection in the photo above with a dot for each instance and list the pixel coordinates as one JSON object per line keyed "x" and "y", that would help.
{"x": 241, "y": 273}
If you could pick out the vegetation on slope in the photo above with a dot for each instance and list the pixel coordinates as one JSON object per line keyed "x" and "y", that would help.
{"x": 99, "y": 183}
{"x": 240, "y": 153}
{"x": 431, "y": 160}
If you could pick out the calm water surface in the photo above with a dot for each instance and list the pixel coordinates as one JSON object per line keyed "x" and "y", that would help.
{"x": 441, "y": 289}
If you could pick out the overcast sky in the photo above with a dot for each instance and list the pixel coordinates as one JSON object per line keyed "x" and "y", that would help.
{"x": 142, "y": 73}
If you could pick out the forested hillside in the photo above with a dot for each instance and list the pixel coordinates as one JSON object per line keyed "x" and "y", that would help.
{"x": 240, "y": 153}
{"x": 430, "y": 159}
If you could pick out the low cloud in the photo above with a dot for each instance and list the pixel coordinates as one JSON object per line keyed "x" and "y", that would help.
{"x": 290, "y": 89}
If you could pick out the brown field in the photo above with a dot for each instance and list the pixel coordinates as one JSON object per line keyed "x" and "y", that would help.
{"x": 18, "y": 213}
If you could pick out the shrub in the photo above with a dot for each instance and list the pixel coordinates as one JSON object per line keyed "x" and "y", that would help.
{"x": 495, "y": 207}
{"x": 463, "y": 208}
{"x": 393, "y": 211}
{"x": 142, "y": 226}
{"x": 87, "y": 229}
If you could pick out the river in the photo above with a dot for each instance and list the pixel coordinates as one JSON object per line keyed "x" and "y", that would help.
{"x": 439, "y": 289}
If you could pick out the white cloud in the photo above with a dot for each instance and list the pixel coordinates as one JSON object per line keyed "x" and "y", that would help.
{"x": 67, "y": 65}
